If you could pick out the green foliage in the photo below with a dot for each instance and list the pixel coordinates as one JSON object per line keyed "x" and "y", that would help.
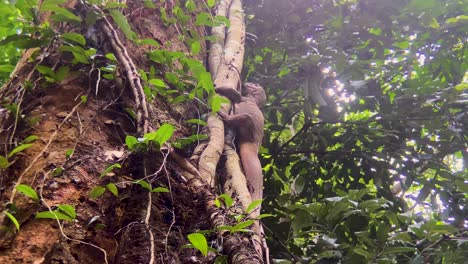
{"x": 19, "y": 149}
{"x": 13, "y": 220}
{"x": 227, "y": 200}
{"x": 147, "y": 186}
{"x": 63, "y": 212}
{"x": 60, "y": 14}
{"x": 28, "y": 191}
{"x": 80, "y": 55}
{"x": 110, "y": 168}
{"x": 74, "y": 37}
{"x": 157, "y": 138}
{"x": 97, "y": 191}
{"x": 199, "y": 242}
{"x": 123, "y": 24}
{"x": 240, "y": 227}
{"x": 377, "y": 172}
{"x": 52, "y": 76}
{"x": 253, "y": 205}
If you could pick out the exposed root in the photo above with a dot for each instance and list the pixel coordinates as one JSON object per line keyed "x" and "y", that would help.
{"x": 235, "y": 183}
{"x": 132, "y": 75}
{"x": 210, "y": 157}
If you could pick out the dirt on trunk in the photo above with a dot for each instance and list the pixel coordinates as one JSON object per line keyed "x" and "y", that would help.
{"x": 81, "y": 123}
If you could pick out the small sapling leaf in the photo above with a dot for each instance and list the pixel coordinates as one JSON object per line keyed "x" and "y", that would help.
{"x": 53, "y": 215}
{"x": 68, "y": 209}
{"x": 97, "y": 191}
{"x": 13, "y": 220}
{"x": 109, "y": 169}
{"x": 74, "y": 37}
{"x": 131, "y": 141}
{"x": 4, "y": 162}
{"x": 113, "y": 189}
{"x": 199, "y": 242}
{"x": 144, "y": 184}
{"x": 28, "y": 191}
{"x": 160, "y": 190}
{"x": 253, "y": 205}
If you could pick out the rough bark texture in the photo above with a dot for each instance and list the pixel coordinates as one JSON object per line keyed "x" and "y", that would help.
{"x": 230, "y": 67}
{"x": 134, "y": 227}
{"x": 226, "y": 69}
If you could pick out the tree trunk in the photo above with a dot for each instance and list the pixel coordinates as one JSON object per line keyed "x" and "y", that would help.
{"x": 80, "y": 120}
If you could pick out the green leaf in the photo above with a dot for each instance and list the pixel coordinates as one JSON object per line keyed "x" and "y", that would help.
{"x": 97, "y": 192}
{"x": 402, "y": 44}
{"x": 84, "y": 99}
{"x": 61, "y": 73}
{"x": 375, "y": 31}
{"x": 144, "y": 184}
{"x": 53, "y": 215}
{"x": 199, "y": 242}
{"x": 123, "y": 24}
{"x": 224, "y": 259}
{"x": 45, "y": 70}
{"x": 150, "y": 42}
{"x": 113, "y": 189}
{"x": 29, "y": 139}
{"x": 393, "y": 250}
{"x": 75, "y": 37}
{"x": 227, "y": 199}
{"x": 57, "y": 171}
{"x": 460, "y": 18}
{"x": 61, "y": 14}
{"x": 265, "y": 216}
{"x": 190, "y": 5}
{"x": 361, "y": 251}
{"x": 28, "y": 191}
{"x": 160, "y": 190}
{"x": 210, "y": 3}
{"x": 462, "y": 86}
{"x": 302, "y": 218}
{"x": 111, "y": 57}
{"x": 196, "y": 121}
{"x": 206, "y": 82}
{"x": 4, "y": 162}
{"x": 253, "y": 205}
{"x": 217, "y": 101}
{"x": 13, "y": 220}
{"x": 6, "y": 68}
{"x": 243, "y": 225}
{"x": 131, "y": 141}
{"x": 161, "y": 135}
{"x": 195, "y": 47}
{"x": 157, "y": 83}
{"x": 79, "y": 54}
{"x": 203, "y": 19}
{"x": 109, "y": 169}
{"x": 68, "y": 209}
{"x": 24, "y": 41}
{"x": 221, "y": 20}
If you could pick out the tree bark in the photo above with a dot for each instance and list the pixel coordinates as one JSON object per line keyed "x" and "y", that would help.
{"x": 81, "y": 122}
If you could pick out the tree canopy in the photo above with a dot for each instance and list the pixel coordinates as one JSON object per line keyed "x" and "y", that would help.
{"x": 365, "y": 147}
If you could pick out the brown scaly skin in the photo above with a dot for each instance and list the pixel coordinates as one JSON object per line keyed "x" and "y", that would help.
{"x": 232, "y": 94}
{"x": 248, "y": 121}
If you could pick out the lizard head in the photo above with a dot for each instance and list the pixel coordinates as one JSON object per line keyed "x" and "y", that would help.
{"x": 256, "y": 92}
